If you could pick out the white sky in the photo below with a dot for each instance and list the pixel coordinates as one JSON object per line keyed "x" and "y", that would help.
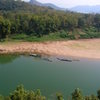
{"x": 70, "y": 3}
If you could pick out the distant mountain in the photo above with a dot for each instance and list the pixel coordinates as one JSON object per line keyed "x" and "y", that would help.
{"x": 35, "y": 2}
{"x": 53, "y": 6}
{"x": 86, "y": 9}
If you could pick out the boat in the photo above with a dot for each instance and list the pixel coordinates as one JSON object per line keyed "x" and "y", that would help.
{"x": 47, "y": 59}
{"x": 62, "y": 59}
{"x": 35, "y": 55}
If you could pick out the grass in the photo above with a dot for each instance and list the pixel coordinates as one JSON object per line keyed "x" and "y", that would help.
{"x": 32, "y": 38}
{"x": 61, "y": 35}
{"x": 57, "y": 36}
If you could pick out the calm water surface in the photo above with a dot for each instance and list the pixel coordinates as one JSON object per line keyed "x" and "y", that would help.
{"x": 50, "y": 77}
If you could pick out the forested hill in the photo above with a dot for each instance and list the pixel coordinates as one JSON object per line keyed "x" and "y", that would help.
{"x": 18, "y": 17}
{"x": 12, "y": 5}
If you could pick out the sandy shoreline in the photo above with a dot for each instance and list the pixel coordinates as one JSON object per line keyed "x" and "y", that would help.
{"x": 88, "y": 48}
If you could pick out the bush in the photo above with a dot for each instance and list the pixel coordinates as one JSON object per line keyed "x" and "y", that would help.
{"x": 19, "y": 36}
{"x": 63, "y": 34}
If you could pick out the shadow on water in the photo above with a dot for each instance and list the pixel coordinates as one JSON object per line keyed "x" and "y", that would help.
{"x": 5, "y": 59}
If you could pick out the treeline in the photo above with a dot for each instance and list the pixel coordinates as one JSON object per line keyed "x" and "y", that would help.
{"x": 22, "y": 94}
{"x": 17, "y": 17}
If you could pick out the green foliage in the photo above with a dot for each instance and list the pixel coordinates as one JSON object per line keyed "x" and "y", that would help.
{"x": 63, "y": 34}
{"x": 23, "y": 21}
{"x": 81, "y": 22}
{"x": 91, "y": 97}
{"x": 4, "y": 27}
{"x": 59, "y": 96}
{"x": 1, "y": 97}
{"x": 97, "y": 21}
{"x": 91, "y": 29}
{"x": 77, "y": 95}
{"x": 90, "y": 32}
{"x": 21, "y": 94}
{"x": 19, "y": 36}
{"x": 98, "y": 94}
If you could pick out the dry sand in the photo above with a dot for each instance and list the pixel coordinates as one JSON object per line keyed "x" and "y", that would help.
{"x": 88, "y": 48}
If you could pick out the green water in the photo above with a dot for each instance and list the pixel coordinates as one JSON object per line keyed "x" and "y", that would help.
{"x": 50, "y": 77}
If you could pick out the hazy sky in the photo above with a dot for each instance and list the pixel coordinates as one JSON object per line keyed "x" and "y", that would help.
{"x": 70, "y": 3}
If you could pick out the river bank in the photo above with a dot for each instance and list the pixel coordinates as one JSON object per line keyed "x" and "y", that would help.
{"x": 88, "y": 48}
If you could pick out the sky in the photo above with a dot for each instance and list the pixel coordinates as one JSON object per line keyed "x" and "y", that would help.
{"x": 70, "y": 3}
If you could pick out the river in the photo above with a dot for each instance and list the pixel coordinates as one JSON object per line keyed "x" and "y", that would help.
{"x": 49, "y": 77}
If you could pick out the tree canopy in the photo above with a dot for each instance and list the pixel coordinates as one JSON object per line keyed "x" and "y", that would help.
{"x": 17, "y": 17}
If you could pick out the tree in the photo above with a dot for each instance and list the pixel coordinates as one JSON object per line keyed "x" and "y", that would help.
{"x": 91, "y": 97}
{"x": 5, "y": 26}
{"x": 59, "y": 96}
{"x": 77, "y": 95}
{"x": 97, "y": 21}
{"x": 21, "y": 94}
{"x": 1, "y": 97}
{"x": 81, "y": 23}
{"x": 98, "y": 94}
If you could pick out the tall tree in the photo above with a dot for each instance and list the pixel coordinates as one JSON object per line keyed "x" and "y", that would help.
{"x": 77, "y": 95}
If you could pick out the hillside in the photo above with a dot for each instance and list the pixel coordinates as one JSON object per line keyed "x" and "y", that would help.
{"x": 12, "y": 5}
{"x": 20, "y": 20}
{"x": 34, "y": 2}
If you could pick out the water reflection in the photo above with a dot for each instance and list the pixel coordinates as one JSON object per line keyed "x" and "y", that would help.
{"x": 5, "y": 59}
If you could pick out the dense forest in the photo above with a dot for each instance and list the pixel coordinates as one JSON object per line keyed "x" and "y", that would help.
{"x": 22, "y": 94}
{"x": 18, "y": 18}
